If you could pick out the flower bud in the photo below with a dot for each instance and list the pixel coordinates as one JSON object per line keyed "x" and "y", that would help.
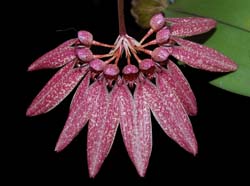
{"x": 147, "y": 66}
{"x": 157, "y": 22}
{"x": 85, "y": 37}
{"x": 162, "y": 36}
{"x": 84, "y": 54}
{"x": 160, "y": 54}
{"x": 130, "y": 72}
{"x": 96, "y": 65}
{"x": 111, "y": 71}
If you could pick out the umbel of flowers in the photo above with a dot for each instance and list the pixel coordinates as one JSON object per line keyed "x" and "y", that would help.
{"x": 115, "y": 92}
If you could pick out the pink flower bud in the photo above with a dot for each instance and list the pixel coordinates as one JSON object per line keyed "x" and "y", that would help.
{"x": 157, "y": 22}
{"x": 84, "y": 54}
{"x": 160, "y": 54}
{"x": 96, "y": 65}
{"x": 85, "y": 37}
{"x": 111, "y": 71}
{"x": 130, "y": 72}
{"x": 162, "y": 36}
{"x": 147, "y": 66}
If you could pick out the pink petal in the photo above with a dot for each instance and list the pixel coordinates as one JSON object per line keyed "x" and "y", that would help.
{"x": 174, "y": 78}
{"x": 78, "y": 114}
{"x": 55, "y": 58}
{"x": 190, "y": 26}
{"x": 133, "y": 131}
{"x": 101, "y": 131}
{"x": 124, "y": 107}
{"x": 170, "y": 114}
{"x": 80, "y": 95}
{"x": 143, "y": 131}
{"x": 202, "y": 57}
{"x": 57, "y": 88}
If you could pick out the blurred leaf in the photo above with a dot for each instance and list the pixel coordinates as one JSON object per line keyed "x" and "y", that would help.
{"x": 232, "y": 36}
{"x": 143, "y": 10}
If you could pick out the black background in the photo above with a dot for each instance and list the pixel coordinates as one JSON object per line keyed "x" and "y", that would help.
{"x": 220, "y": 126}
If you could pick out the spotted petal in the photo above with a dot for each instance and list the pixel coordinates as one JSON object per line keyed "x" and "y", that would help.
{"x": 174, "y": 78}
{"x": 78, "y": 114}
{"x": 124, "y": 105}
{"x": 55, "y": 58}
{"x": 143, "y": 131}
{"x": 101, "y": 130}
{"x": 170, "y": 114}
{"x": 130, "y": 129}
{"x": 57, "y": 88}
{"x": 202, "y": 57}
{"x": 189, "y": 26}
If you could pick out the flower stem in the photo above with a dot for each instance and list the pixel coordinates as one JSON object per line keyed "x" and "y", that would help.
{"x": 122, "y": 27}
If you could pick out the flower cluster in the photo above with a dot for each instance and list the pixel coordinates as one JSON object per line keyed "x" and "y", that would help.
{"x": 122, "y": 86}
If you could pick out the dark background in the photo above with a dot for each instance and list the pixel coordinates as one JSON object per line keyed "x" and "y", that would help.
{"x": 220, "y": 126}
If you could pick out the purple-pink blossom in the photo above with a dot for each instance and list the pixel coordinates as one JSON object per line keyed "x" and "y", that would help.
{"x": 122, "y": 88}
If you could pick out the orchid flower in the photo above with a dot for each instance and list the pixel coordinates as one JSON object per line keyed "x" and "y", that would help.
{"x": 123, "y": 86}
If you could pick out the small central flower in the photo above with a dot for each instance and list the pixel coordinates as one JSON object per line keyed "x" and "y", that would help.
{"x": 124, "y": 43}
{"x": 115, "y": 92}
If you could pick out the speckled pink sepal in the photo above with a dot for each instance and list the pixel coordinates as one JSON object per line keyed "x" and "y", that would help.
{"x": 189, "y": 26}
{"x": 202, "y": 57}
{"x": 57, "y": 88}
{"x": 55, "y": 58}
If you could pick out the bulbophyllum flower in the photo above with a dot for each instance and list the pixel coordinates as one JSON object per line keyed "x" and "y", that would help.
{"x": 112, "y": 92}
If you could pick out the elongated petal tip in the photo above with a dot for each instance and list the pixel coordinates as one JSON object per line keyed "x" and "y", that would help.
{"x": 30, "y": 112}
{"x": 189, "y": 142}
{"x": 141, "y": 163}
{"x": 56, "y": 149}
{"x": 233, "y": 66}
{"x": 93, "y": 173}
{"x": 193, "y": 112}
{"x": 142, "y": 172}
{"x": 37, "y": 66}
{"x": 64, "y": 141}
{"x": 141, "y": 167}
{"x": 195, "y": 152}
{"x": 94, "y": 169}
{"x": 141, "y": 159}
{"x": 32, "y": 67}
{"x": 59, "y": 147}
{"x": 33, "y": 111}
{"x": 193, "y": 148}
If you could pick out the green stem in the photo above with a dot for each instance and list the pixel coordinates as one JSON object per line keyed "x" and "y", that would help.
{"x": 122, "y": 27}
